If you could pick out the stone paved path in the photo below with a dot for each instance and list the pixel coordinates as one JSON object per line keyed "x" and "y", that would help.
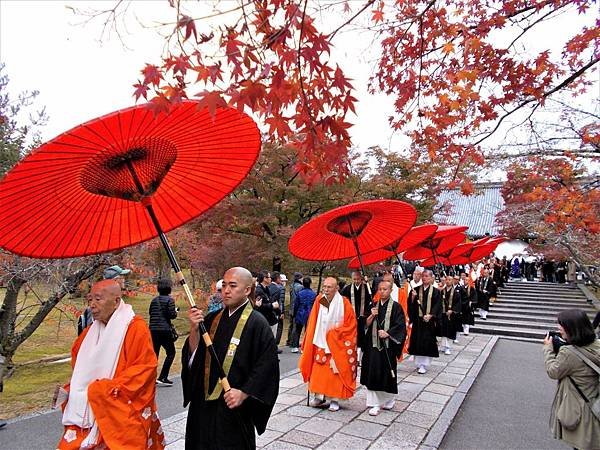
{"x": 425, "y": 407}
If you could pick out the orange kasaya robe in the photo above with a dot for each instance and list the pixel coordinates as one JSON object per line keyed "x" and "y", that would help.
{"x": 402, "y": 299}
{"x": 124, "y": 406}
{"x": 314, "y": 364}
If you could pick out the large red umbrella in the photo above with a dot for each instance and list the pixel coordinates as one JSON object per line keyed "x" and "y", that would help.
{"x": 412, "y": 237}
{"x": 78, "y": 195}
{"x": 478, "y": 249}
{"x": 434, "y": 246}
{"x": 352, "y": 230}
{"x": 125, "y": 178}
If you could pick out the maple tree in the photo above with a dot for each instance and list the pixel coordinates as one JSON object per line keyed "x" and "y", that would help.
{"x": 456, "y": 71}
{"x": 252, "y": 225}
{"x": 550, "y": 201}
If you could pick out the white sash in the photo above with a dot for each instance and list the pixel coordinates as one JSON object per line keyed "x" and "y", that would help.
{"x": 97, "y": 359}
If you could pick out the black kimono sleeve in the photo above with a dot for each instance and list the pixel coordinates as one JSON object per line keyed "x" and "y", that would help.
{"x": 397, "y": 329}
{"x": 262, "y": 380}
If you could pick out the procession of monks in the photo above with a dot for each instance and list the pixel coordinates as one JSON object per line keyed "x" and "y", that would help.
{"x": 353, "y": 334}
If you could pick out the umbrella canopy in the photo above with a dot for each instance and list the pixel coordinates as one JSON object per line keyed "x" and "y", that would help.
{"x": 460, "y": 250}
{"x": 447, "y": 230}
{"x": 412, "y": 237}
{"x": 478, "y": 249}
{"x": 434, "y": 246}
{"x": 430, "y": 262}
{"x": 78, "y": 195}
{"x": 352, "y": 230}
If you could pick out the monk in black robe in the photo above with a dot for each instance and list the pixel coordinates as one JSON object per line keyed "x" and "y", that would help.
{"x": 383, "y": 342}
{"x": 486, "y": 288}
{"x": 468, "y": 302}
{"x": 360, "y": 299}
{"x": 243, "y": 341}
{"x": 450, "y": 318}
{"x": 424, "y": 311}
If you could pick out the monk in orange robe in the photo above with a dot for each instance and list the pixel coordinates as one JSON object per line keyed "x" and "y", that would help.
{"x": 110, "y": 398}
{"x": 329, "y": 358}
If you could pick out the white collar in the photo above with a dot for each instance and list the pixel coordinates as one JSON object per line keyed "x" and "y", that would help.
{"x": 231, "y": 313}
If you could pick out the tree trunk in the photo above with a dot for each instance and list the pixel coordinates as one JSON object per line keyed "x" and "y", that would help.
{"x": 8, "y": 319}
{"x": 10, "y": 339}
{"x": 579, "y": 260}
{"x": 321, "y": 270}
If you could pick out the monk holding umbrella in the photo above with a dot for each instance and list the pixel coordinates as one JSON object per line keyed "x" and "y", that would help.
{"x": 329, "y": 360}
{"x": 111, "y": 183}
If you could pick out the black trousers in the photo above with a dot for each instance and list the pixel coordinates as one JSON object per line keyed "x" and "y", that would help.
{"x": 297, "y": 332}
{"x": 279, "y": 331}
{"x": 164, "y": 339}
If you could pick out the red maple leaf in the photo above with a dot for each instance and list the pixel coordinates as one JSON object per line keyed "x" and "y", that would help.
{"x": 211, "y": 100}
{"x": 152, "y": 74}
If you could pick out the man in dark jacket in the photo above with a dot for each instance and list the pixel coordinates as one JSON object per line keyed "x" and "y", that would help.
{"x": 162, "y": 310}
{"x": 277, "y": 290}
{"x": 294, "y": 289}
{"x": 264, "y": 303}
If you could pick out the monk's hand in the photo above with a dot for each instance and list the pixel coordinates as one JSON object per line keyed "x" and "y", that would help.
{"x": 333, "y": 366}
{"x": 374, "y": 311}
{"x": 427, "y": 317}
{"x": 383, "y": 334}
{"x": 448, "y": 313}
{"x": 234, "y": 398}
{"x": 258, "y": 302}
{"x": 196, "y": 316}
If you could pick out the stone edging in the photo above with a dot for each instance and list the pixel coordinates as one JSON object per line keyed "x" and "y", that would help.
{"x": 589, "y": 295}
{"x": 438, "y": 431}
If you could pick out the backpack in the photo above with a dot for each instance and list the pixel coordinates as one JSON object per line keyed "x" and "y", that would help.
{"x": 594, "y": 403}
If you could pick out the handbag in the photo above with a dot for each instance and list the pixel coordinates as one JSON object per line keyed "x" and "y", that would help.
{"x": 568, "y": 412}
{"x": 594, "y": 404}
{"x": 174, "y": 334}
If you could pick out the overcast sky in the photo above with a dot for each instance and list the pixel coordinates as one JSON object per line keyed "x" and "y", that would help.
{"x": 80, "y": 78}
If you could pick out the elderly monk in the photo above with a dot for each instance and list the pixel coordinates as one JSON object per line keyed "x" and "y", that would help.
{"x": 246, "y": 347}
{"x": 329, "y": 359}
{"x": 110, "y": 400}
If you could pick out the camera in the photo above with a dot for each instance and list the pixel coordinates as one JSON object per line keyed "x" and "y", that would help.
{"x": 557, "y": 340}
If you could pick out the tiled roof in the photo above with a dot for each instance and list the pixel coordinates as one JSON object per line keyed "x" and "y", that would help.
{"x": 477, "y": 211}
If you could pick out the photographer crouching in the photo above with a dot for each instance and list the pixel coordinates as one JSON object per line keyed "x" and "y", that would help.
{"x": 572, "y": 356}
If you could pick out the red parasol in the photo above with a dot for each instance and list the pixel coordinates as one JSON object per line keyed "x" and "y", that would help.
{"x": 447, "y": 230}
{"x": 352, "y": 230}
{"x": 125, "y": 178}
{"x": 479, "y": 248}
{"x": 461, "y": 249}
{"x": 430, "y": 262}
{"x": 414, "y": 236}
{"x": 81, "y": 182}
{"x": 434, "y": 246}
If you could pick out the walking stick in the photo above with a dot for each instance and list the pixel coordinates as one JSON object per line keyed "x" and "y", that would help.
{"x": 387, "y": 356}
{"x": 147, "y": 203}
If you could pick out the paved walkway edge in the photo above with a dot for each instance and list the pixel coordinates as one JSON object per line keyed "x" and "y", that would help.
{"x": 438, "y": 431}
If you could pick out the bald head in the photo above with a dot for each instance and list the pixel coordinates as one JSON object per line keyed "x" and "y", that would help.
{"x": 245, "y": 276}
{"x": 237, "y": 283}
{"x": 330, "y": 286}
{"x": 104, "y": 299}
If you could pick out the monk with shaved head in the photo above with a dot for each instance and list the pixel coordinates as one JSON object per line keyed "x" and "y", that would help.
{"x": 329, "y": 360}
{"x": 109, "y": 402}
{"x": 246, "y": 347}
